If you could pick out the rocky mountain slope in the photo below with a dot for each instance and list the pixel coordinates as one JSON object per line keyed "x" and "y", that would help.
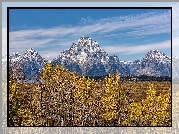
{"x": 86, "y": 57}
{"x": 28, "y": 65}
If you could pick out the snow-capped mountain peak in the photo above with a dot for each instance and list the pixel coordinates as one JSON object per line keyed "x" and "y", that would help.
{"x": 89, "y": 57}
{"x": 30, "y": 52}
{"x": 85, "y": 52}
{"x": 14, "y": 57}
{"x": 156, "y": 55}
{"x": 155, "y": 63}
{"x": 85, "y": 57}
{"x": 30, "y": 62}
{"x": 17, "y": 54}
{"x": 86, "y": 45}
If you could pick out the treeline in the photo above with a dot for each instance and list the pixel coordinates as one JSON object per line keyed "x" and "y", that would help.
{"x": 137, "y": 78}
{"x": 153, "y": 78}
{"x": 66, "y": 99}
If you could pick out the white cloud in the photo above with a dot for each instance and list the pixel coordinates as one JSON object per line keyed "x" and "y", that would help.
{"x": 175, "y": 16}
{"x": 138, "y": 25}
{"x": 128, "y": 50}
{"x": 62, "y": 37}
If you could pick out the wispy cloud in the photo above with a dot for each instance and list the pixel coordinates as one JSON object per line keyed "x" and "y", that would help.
{"x": 128, "y": 50}
{"x": 137, "y": 25}
{"x": 60, "y": 38}
{"x": 175, "y": 16}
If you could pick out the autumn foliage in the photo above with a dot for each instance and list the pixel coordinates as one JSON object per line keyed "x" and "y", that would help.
{"x": 64, "y": 98}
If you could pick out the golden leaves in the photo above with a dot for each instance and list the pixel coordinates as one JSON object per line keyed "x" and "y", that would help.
{"x": 154, "y": 109}
{"x": 71, "y": 100}
{"x": 110, "y": 99}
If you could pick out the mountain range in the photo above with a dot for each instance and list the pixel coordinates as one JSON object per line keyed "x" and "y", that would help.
{"x": 85, "y": 57}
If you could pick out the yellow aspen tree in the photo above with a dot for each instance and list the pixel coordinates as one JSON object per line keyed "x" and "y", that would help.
{"x": 36, "y": 106}
{"x": 80, "y": 95}
{"x": 110, "y": 100}
{"x": 152, "y": 111}
{"x": 124, "y": 105}
{"x": 14, "y": 102}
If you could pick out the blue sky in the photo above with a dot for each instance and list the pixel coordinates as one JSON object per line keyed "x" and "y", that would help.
{"x": 130, "y": 34}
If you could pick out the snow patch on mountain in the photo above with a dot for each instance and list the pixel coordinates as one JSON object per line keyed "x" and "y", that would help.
{"x": 29, "y": 64}
{"x": 155, "y": 63}
{"x": 85, "y": 57}
{"x": 14, "y": 57}
{"x": 87, "y": 54}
